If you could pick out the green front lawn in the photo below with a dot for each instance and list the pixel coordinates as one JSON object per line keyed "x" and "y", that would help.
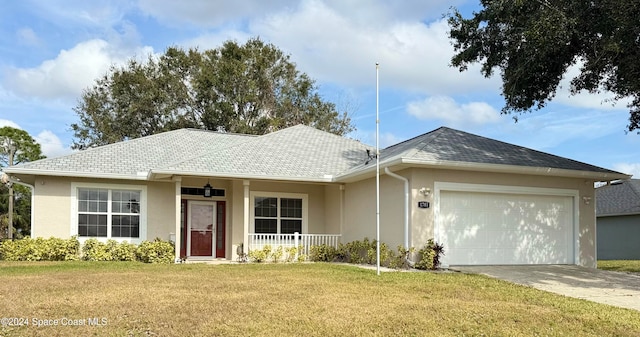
{"x": 620, "y": 265}
{"x": 287, "y": 300}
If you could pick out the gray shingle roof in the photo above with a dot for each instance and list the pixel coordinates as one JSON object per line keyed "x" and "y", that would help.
{"x": 619, "y": 198}
{"x": 299, "y": 152}
{"x": 129, "y": 157}
{"x": 449, "y": 145}
{"x": 295, "y": 152}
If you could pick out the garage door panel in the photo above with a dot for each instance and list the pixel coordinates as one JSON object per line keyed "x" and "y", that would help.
{"x": 468, "y": 238}
{"x": 493, "y": 228}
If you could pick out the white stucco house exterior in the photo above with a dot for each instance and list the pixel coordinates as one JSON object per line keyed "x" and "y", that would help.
{"x": 487, "y": 201}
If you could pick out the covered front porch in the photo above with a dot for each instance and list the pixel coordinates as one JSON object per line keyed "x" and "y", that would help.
{"x": 216, "y": 216}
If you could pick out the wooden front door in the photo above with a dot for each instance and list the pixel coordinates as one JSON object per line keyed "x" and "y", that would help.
{"x": 201, "y": 220}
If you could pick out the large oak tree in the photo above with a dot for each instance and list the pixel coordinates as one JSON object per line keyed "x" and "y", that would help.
{"x": 252, "y": 88}
{"x": 533, "y": 43}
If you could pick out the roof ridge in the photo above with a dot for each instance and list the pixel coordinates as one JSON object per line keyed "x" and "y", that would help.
{"x": 322, "y": 131}
{"x": 215, "y": 131}
{"x": 436, "y": 133}
{"x": 205, "y": 152}
{"x": 412, "y": 138}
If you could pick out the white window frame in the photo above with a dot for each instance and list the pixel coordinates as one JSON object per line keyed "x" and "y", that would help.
{"x": 257, "y": 194}
{"x": 110, "y": 187}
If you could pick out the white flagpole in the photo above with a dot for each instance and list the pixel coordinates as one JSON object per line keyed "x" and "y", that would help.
{"x": 377, "y": 175}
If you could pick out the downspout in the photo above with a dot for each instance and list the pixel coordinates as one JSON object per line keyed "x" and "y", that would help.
{"x": 406, "y": 208}
{"x": 33, "y": 189}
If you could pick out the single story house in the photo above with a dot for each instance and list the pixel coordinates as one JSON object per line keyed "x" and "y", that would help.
{"x": 618, "y": 220}
{"x": 487, "y": 201}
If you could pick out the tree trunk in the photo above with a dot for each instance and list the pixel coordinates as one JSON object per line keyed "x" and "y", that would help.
{"x": 12, "y": 152}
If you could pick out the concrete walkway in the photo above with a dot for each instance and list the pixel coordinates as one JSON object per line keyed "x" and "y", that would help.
{"x": 608, "y": 287}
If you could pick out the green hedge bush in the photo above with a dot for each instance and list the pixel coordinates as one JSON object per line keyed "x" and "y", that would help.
{"x": 323, "y": 253}
{"x": 40, "y": 249}
{"x": 55, "y": 249}
{"x": 156, "y": 251}
{"x": 94, "y": 250}
{"x": 429, "y": 256}
{"x": 260, "y": 255}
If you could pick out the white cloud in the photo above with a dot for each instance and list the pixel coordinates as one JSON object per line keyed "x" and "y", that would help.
{"x": 340, "y": 42}
{"x": 388, "y": 139}
{"x": 628, "y": 168}
{"x": 601, "y": 101}
{"x": 412, "y": 55}
{"x": 549, "y": 129}
{"x": 206, "y": 13}
{"x": 215, "y": 40}
{"x": 6, "y": 122}
{"x": 452, "y": 113}
{"x": 51, "y": 145}
{"x": 71, "y": 71}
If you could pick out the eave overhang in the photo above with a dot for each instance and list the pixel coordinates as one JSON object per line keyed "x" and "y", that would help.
{"x": 400, "y": 163}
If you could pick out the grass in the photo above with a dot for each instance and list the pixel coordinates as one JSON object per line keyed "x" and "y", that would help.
{"x": 632, "y": 266}
{"x": 289, "y": 300}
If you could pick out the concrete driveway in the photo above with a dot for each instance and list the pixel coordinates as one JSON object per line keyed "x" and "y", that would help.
{"x": 608, "y": 287}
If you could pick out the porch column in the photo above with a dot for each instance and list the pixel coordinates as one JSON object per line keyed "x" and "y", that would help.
{"x": 341, "y": 211}
{"x": 178, "y": 202}
{"x": 245, "y": 183}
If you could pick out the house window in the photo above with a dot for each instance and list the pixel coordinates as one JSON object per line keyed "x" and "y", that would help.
{"x": 108, "y": 213}
{"x": 279, "y": 214}
{"x": 92, "y": 212}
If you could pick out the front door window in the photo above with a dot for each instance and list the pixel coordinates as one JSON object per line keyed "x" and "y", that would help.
{"x": 201, "y": 228}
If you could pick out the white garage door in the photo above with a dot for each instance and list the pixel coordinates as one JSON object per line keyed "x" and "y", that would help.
{"x": 494, "y": 228}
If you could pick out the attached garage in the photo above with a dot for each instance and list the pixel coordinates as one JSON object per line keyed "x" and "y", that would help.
{"x": 497, "y": 225}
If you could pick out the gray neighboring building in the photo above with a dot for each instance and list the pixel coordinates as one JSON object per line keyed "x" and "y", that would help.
{"x": 618, "y": 220}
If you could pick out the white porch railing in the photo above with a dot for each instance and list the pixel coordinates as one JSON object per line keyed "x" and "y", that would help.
{"x": 257, "y": 241}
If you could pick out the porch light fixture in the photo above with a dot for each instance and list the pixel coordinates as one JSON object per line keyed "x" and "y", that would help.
{"x": 425, "y": 191}
{"x": 207, "y": 190}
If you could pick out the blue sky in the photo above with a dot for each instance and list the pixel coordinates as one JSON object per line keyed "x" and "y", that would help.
{"x": 50, "y": 50}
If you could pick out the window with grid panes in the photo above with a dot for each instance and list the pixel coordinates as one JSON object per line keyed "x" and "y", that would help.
{"x": 108, "y": 213}
{"x": 275, "y": 215}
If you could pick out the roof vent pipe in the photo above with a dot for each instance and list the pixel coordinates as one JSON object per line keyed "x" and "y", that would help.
{"x": 406, "y": 207}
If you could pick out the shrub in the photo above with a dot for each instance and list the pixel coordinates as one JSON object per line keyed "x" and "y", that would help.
{"x": 122, "y": 251}
{"x": 386, "y": 255}
{"x": 276, "y": 255}
{"x": 260, "y": 255}
{"x": 429, "y": 255}
{"x": 356, "y": 252}
{"x": 94, "y": 250}
{"x": 323, "y": 253}
{"x": 401, "y": 260}
{"x": 39, "y": 249}
{"x": 291, "y": 253}
{"x": 156, "y": 251}
{"x": 62, "y": 250}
